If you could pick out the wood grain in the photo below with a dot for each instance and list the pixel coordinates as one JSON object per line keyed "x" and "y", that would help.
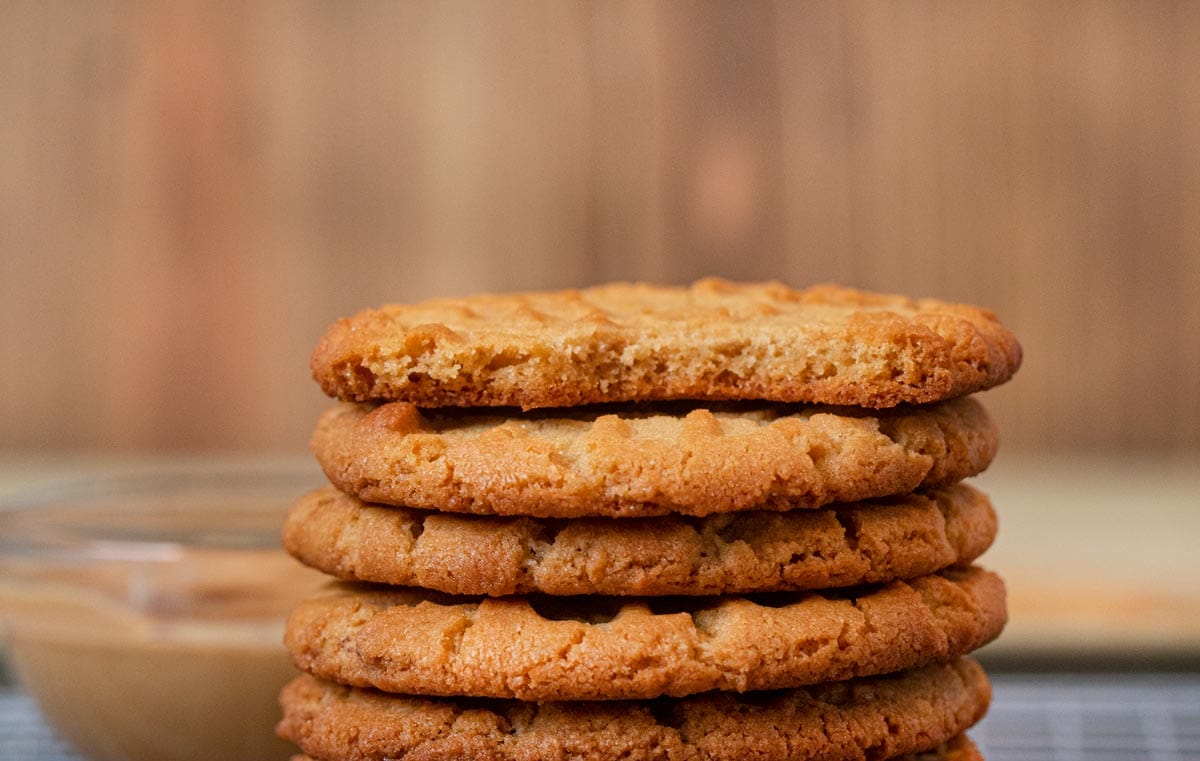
{"x": 189, "y": 192}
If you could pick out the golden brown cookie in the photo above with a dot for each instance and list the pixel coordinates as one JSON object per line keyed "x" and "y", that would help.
{"x": 634, "y": 342}
{"x": 862, "y": 543}
{"x": 589, "y": 648}
{"x": 875, "y": 718}
{"x": 958, "y": 748}
{"x": 650, "y": 460}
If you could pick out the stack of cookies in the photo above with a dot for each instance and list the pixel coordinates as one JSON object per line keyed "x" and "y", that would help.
{"x": 722, "y": 521}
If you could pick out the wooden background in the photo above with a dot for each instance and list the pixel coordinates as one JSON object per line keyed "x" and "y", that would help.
{"x": 190, "y": 192}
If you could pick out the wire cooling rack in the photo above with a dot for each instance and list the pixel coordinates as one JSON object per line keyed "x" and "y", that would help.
{"x": 23, "y": 734}
{"x": 1077, "y": 717}
{"x": 1092, "y": 717}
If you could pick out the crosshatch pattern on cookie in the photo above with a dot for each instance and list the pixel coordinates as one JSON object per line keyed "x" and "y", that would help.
{"x": 635, "y": 342}
{"x": 877, "y": 717}
{"x": 625, "y": 462}
{"x": 600, "y": 648}
{"x": 862, "y": 543}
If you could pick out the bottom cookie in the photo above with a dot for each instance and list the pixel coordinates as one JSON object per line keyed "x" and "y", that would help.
{"x": 959, "y": 748}
{"x": 878, "y": 717}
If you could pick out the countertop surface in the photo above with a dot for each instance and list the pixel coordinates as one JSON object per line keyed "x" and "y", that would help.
{"x": 1099, "y": 553}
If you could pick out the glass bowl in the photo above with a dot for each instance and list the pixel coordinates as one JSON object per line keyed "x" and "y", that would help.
{"x": 145, "y": 611}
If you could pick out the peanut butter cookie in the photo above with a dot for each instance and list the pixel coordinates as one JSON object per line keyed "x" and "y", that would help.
{"x": 877, "y": 717}
{"x": 589, "y": 648}
{"x": 637, "y": 461}
{"x": 714, "y": 340}
{"x": 862, "y": 543}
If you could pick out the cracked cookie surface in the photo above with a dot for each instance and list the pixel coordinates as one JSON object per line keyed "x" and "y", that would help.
{"x": 861, "y": 543}
{"x": 957, "y": 748}
{"x": 647, "y": 460}
{"x": 876, "y": 717}
{"x": 713, "y": 340}
{"x": 590, "y": 648}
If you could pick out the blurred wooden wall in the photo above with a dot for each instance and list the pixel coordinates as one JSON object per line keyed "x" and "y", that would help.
{"x": 190, "y": 191}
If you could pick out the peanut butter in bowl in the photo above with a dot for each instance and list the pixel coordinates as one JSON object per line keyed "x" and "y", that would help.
{"x": 146, "y": 614}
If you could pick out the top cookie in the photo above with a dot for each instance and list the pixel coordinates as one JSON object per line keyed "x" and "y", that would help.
{"x": 714, "y": 340}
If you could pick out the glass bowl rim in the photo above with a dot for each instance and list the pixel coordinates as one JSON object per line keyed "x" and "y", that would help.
{"x": 49, "y": 520}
